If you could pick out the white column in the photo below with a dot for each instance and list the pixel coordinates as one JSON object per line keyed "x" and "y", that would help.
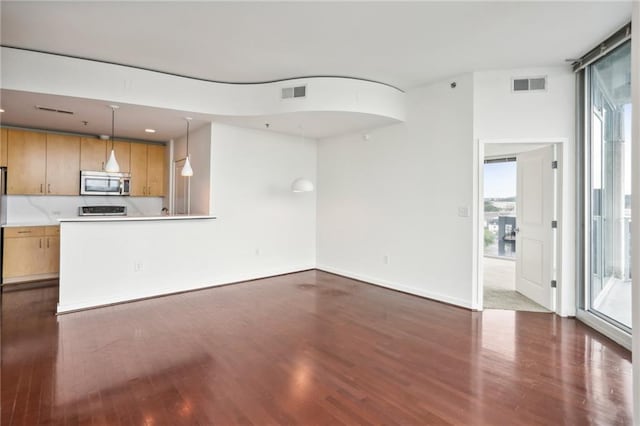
{"x": 635, "y": 209}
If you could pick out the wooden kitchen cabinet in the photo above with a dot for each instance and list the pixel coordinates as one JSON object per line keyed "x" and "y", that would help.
{"x": 138, "y": 169}
{"x": 42, "y": 163}
{"x": 30, "y": 253}
{"x": 147, "y": 170}
{"x": 63, "y": 164}
{"x": 155, "y": 170}
{"x": 52, "y": 249}
{"x": 26, "y": 162}
{"x": 95, "y": 152}
{"x": 123, "y": 154}
{"x": 3, "y": 147}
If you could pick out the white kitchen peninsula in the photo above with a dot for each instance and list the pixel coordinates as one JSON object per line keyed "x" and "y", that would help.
{"x": 106, "y": 260}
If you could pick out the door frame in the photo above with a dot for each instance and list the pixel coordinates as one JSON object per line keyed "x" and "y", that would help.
{"x": 565, "y": 249}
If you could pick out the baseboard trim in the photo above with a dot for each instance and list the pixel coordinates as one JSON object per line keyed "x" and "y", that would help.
{"x": 435, "y": 297}
{"x": 79, "y": 307}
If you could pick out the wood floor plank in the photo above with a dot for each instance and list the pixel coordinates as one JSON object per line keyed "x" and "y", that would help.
{"x": 310, "y": 348}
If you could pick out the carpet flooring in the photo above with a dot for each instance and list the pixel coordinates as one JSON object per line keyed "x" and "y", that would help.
{"x": 499, "y": 287}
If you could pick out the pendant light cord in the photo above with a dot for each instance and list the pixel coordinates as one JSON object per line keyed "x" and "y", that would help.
{"x": 188, "y": 122}
{"x": 113, "y": 126}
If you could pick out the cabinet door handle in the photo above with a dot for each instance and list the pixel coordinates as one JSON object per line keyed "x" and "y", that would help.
{"x": 144, "y": 190}
{"x": 103, "y": 165}
{"x": 149, "y": 191}
{"x": 49, "y": 188}
{"x": 40, "y": 242}
{"x": 41, "y": 188}
{"x": 24, "y": 232}
{"x": 47, "y": 242}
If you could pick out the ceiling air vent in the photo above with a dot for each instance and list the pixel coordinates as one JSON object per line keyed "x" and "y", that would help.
{"x": 534, "y": 84}
{"x": 294, "y": 92}
{"x": 51, "y": 109}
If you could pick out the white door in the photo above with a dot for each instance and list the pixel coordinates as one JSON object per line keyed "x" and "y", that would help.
{"x": 534, "y": 239}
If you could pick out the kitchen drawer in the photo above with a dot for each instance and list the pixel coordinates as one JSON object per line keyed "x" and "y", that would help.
{"x": 24, "y": 231}
{"x": 52, "y": 231}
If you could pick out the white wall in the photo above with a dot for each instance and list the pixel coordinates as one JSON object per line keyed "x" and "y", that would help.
{"x": 262, "y": 229}
{"x": 635, "y": 211}
{"x": 200, "y": 147}
{"x": 251, "y": 176}
{"x": 41, "y": 210}
{"x": 500, "y": 114}
{"x": 398, "y": 194}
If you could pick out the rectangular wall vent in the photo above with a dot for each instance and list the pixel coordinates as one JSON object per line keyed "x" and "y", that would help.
{"x": 51, "y": 109}
{"x": 294, "y": 92}
{"x": 534, "y": 84}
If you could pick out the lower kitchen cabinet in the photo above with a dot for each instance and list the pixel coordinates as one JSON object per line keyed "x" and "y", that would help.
{"x": 30, "y": 253}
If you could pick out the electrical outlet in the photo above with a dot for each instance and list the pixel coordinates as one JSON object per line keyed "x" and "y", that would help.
{"x": 387, "y": 259}
{"x": 138, "y": 266}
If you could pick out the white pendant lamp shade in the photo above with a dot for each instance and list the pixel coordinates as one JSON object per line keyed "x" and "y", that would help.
{"x": 186, "y": 169}
{"x": 302, "y": 185}
{"x": 112, "y": 164}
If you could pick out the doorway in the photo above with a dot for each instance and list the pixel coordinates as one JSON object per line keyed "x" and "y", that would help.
{"x": 500, "y": 228}
{"x": 517, "y": 254}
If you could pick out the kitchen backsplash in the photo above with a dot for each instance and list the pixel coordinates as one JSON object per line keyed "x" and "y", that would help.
{"x": 47, "y": 209}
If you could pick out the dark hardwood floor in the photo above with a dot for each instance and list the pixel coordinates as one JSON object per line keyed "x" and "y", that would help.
{"x": 309, "y": 348}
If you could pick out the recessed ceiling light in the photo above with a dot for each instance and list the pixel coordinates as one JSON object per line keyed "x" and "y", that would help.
{"x": 150, "y": 130}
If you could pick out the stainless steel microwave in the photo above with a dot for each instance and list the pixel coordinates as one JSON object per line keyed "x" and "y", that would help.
{"x": 104, "y": 183}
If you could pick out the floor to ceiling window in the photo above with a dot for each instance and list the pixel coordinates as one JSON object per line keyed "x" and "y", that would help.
{"x": 606, "y": 233}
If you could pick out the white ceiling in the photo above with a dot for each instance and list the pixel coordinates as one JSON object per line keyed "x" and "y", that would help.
{"x": 402, "y": 44}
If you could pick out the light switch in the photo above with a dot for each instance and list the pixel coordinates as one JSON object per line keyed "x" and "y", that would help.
{"x": 463, "y": 211}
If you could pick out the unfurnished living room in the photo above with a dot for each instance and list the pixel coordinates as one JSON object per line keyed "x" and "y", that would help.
{"x": 319, "y": 213}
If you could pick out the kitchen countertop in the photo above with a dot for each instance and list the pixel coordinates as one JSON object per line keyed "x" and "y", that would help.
{"x": 21, "y": 224}
{"x": 105, "y": 219}
{"x": 132, "y": 218}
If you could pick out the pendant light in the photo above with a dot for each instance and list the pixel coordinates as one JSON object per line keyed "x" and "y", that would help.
{"x": 186, "y": 169}
{"x": 302, "y": 184}
{"x": 112, "y": 165}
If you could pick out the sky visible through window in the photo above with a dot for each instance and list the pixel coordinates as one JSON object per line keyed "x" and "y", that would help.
{"x": 500, "y": 180}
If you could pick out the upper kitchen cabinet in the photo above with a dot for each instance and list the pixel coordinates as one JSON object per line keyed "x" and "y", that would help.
{"x": 3, "y": 147}
{"x": 94, "y": 153}
{"x": 123, "y": 154}
{"x": 147, "y": 170}
{"x": 40, "y": 163}
{"x": 63, "y": 164}
{"x": 26, "y": 162}
{"x": 155, "y": 170}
